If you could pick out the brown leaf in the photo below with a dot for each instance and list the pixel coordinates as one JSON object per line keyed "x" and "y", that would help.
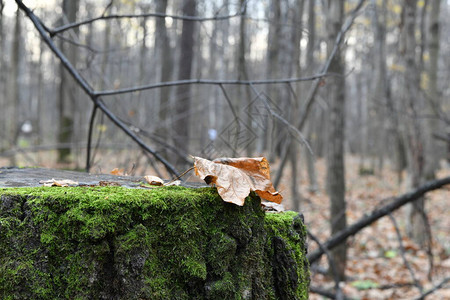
{"x": 154, "y": 180}
{"x": 236, "y": 177}
{"x": 117, "y": 171}
{"x": 59, "y": 182}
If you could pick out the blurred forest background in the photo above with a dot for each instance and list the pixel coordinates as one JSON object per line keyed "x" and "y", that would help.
{"x": 349, "y": 101}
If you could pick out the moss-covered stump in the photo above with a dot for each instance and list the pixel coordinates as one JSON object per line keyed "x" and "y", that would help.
{"x": 165, "y": 243}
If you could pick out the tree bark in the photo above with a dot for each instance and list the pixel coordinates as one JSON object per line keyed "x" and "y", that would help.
{"x": 3, "y": 96}
{"x": 67, "y": 88}
{"x": 416, "y": 226}
{"x": 273, "y": 70}
{"x": 183, "y": 92}
{"x": 13, "y": 87}
{"x": 335, "y": 159}
{"x": 162, "y": 44}
{"x": 379, "y": 88}
{"x": 243, "y": 75}
{"x": 433, "y": 101}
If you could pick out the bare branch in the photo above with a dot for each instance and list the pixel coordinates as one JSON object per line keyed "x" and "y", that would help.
{"x": 317, "y": 81}
{"x": 331, "y": 263}
{"x": 434, "y": 289}
{"x": 103, "y": 16}
{"x": 402, "y": 251}
{"x": 87, "y": 88}
{"x": 91, "y": 128}
{"x": 376, "y": 214}
{"x": 207, "y": 82}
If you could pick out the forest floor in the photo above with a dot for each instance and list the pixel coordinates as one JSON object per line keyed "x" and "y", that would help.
{"x": 375, "y": 268}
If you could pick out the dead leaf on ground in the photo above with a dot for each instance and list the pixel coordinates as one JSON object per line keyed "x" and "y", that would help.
{"x": 154, "y": 180}
{"x": 117, "y": 172}
{"x": 236, "y": 177}
{"x": 59, "y": 182}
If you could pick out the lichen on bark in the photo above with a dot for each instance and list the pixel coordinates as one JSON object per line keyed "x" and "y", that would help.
{"x": 165, "y": 243}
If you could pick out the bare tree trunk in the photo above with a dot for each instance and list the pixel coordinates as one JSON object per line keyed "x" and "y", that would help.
{"x": 40, "y": 98}
{"x": 310, "y": 163}
{"x": 335, "y": 160}
{"x": 310, "y": 63}
{"x": 243, "y": 75}
{"x": 183, "y": 98}
{"x": 162, "y": 44}
{"x": 414, "y": 131}
{"x": 433, "y": 102}
{"x": 3, "y": 66}
{"x": 311, "y": 35}
{"x": 379, "y": 88}
{"x": 293, "y": 68}
{"x": 273, "y": 69}
{"x": 13, "y": 87}
{"x": 67, "y": 88}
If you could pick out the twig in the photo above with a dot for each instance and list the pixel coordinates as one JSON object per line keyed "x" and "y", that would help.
{"x": 206, "y": 82}
{"x": 434, "y": 289}
{"x": 158, "y": 140}
{"x": 88, "y": 90}
{"x": 376, "y": 214}
{"x": 331, "y": 263}
{"x": 316, "y": 83}
{"x": 179, "y": 176}
{"x": 323, "y": 292}
{"x": 402, "y": 251}
{"x": 283, "y": 120}
{"x": 63, "y": 28}
{"x": 91, "y": 128}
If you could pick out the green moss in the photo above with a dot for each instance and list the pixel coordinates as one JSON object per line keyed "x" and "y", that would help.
{"x": 288, "y": 227}
{"x": 164, "y": 243}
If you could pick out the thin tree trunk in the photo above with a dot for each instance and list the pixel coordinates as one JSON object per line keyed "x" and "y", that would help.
{"x": 162, "y": 45}
{"x": 183, "y": 98}
{"x": 311, "y": 35}
{"x": 13, "y": 87}
{"x": 243, "y": 75}
{"x": 310, "y": 63}
{"x": 293, "y": 67}
{"x": 67, "y": 88}
{"x": 414, "y": 131}
{"x": 310, "y": 163}
{"x": 379, "y": 88}
{"x": 335, "y": 160}
{"x": 3, "y": 96}
{"x": 432, "y": 151}
{"x": 273, "y": 69}
{"x": 40, "y": 98}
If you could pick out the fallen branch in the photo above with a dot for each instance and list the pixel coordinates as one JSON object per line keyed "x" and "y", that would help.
{"x": 341, "y": 236}
{"x": 434, "y": 289}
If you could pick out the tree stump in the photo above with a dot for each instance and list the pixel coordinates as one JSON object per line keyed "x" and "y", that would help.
{"x": 120, "y": 242}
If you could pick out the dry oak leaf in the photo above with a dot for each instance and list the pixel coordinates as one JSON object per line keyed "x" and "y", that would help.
{"x": 154, "y": 180}
{"x": 236, "y": 177}
{"x": 59, "y": 182}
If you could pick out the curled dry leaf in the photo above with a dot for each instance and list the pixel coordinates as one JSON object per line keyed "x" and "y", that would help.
{"x": 173, "y": 183}
{"x": 154, "y": 180}
{"x": 60, "y": 182}
{"x": 236, "y": 177}
{"x": 271, "y": 206}
{"x": 117, "y": 172}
